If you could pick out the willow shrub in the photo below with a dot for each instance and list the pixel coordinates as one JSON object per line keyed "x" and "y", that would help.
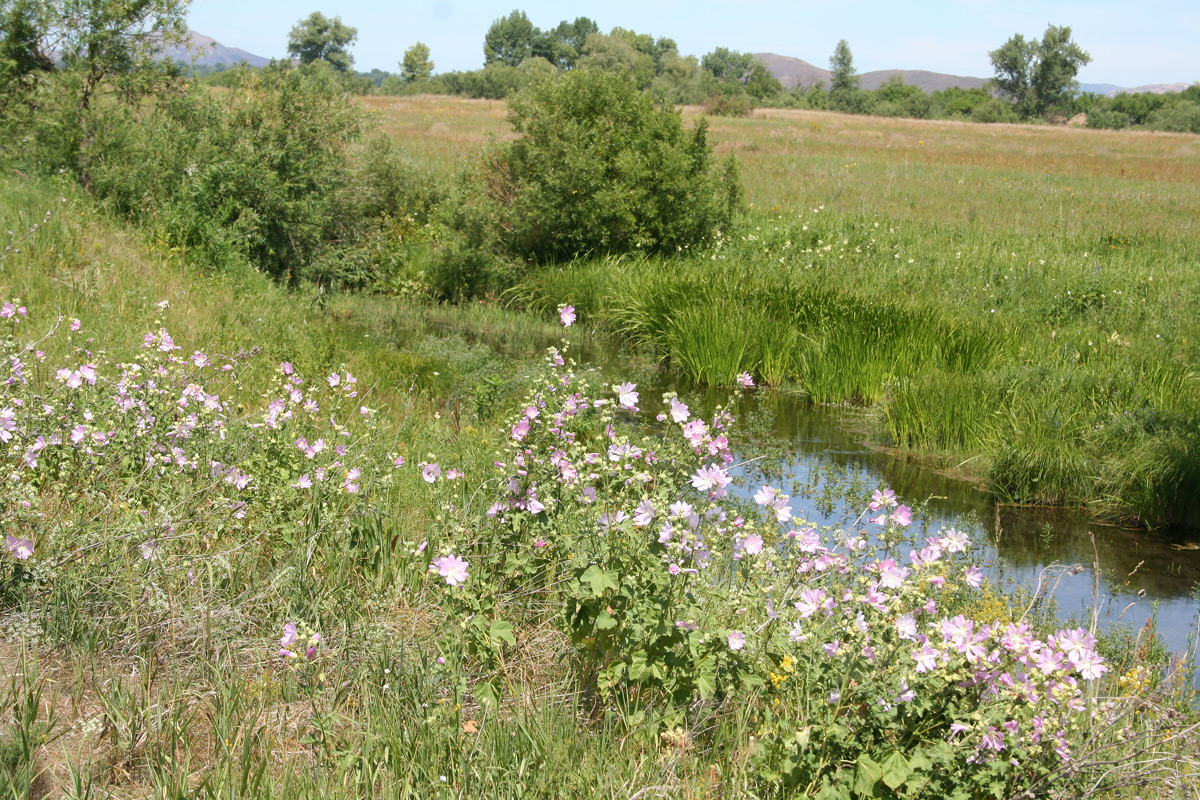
{"x": 599, "y": 167}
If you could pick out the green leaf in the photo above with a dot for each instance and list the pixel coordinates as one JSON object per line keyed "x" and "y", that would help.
{"x": 896, "y": 770}
{"x": 502, "y": 631}
{"x": 599, "y": 579}
{"x": 487, "y": 694}
{"x": 706, "y": 678}
{"x": 605, "y": 620}
{"x": 866, "y": 777}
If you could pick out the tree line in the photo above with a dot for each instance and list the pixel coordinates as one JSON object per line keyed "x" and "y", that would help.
{"x": 1034, "y": 79}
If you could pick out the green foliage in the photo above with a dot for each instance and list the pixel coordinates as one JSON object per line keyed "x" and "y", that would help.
{"x": 74, "y": 53}
{"x": 736, "y": 72}
{"x": 1180, "y": 117}
{"x": 319, "y": 38}
{"x": 416, "y": 65}
{"x": 263, "y": 174}
{"x": 1109, "y": 119}
{"x": 509, "y": 40}
{"x": 1035, "y": 75}
{"x": 727, "y": 105}
{"x": 845, "y": 92}
{"x": 598, "y": 168}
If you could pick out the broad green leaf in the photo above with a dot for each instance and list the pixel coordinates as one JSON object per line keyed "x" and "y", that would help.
{"x": 502, "y": 631}
{"x": 599, "y": 579}
{"x": 866, "y": 777}
{"x": 896, "y": 769}
{"x": 605, "y": 620}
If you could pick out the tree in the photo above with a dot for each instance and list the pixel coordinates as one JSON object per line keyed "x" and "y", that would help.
{"x": 740, "y": 72}
{"x": 843, "y": 78}
{"x": 1037, "y": 75}
{"x": 319, "y": 38}
{"x": 416, "y": 65}
{"x": 845, "y": 93}
{"x": 563, "y": 46}
{"x": 510, "y": 40}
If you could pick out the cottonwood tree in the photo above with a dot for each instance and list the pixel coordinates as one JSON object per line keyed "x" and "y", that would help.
{"x": 416, "y": 65}
{"x": 510, "y": 40}
{"x": 845, "y": 93}
{"x": 1037, "y": 75}
{"x": 319, "y": 38}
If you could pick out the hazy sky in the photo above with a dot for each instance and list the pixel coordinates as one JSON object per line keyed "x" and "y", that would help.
{"x": 1154, "y": 41}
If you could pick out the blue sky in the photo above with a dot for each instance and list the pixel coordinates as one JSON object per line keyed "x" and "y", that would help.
{"x": 1154, "y": 41}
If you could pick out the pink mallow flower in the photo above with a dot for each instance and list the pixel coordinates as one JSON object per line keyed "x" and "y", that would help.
{"x": 21, "y": 549}
{"x": 567, "y": 315}
{"x": 627, "y": 395}
{"x": 452, "y": 568}
{"x": 737, "y": 640}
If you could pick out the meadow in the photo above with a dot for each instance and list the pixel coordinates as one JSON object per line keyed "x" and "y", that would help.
{"x": 266, "y": 542}
{"x": 1011, "y": 299}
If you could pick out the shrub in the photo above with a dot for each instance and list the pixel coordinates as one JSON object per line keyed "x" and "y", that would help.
{"x": 600, "y": 168}
{"x": 727, "y": 105}
{"x": 1181, "y": 117}
{"x": 994, "y": 110}
{"x": 1108, "y": 119}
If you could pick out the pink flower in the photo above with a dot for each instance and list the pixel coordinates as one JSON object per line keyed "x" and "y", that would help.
{"x": 737, "y": 640}
{"x": 992, "y": 740}
{"x": 431, "y": 472}
{"x": 289, "y": 635}
{"x": 452, "y": 568}
{"x": 745, "y": 381}
{"x": 882, "y": 499}
{"x": 679, "y": 411}
{"x": 973, "y": 576}
{"x": 902, "y": 516}
{"x": 711, "y": 479}
{"x": 752, "y": 544}
{"x": 926, "y": 658}
{"x": 567, "y": 315}
{"x": 303, "y": 482}
{"x": 627, "y": 395}
{"x": 76, "y": 324}
{"x": 199, "y": 359}
{"x": 20, "y": 548}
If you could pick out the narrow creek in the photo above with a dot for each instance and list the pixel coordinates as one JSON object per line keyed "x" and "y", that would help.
{"x": 1126, "y": 577}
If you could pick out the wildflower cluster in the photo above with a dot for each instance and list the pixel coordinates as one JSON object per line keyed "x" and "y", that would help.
{"x": 665, "y": 581}
{"x": 162, "y": 466}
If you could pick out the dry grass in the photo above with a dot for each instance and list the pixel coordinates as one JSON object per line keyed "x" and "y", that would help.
{"x": 1013, "y": 178}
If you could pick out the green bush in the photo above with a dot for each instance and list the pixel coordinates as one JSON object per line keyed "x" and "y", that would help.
{"x": 1182, "y": 117}
{"x": 265, "y": 173}
{"x": 994, "y": 110}
{"x": 1108, "y": 119}
{"x": 599, "y": 168}
{"x": 727, "y": 105}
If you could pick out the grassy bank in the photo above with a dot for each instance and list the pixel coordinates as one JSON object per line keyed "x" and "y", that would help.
{"x": 1013, "y": 299}
{"x": 148, "y": 589}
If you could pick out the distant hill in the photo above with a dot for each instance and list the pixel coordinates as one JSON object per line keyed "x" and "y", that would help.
{"x": 1099, "y": 88}
{"x": 929, "y": 81}
{"x": 793, "y": 72}
{"x": 207, "y": 51}
{"x": 1155, "y": 88}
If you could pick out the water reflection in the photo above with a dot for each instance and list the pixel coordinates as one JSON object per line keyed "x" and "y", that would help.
{"x": 830, "y": 474}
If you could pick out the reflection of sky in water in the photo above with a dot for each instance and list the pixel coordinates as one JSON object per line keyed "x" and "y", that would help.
{"x": 830, "y": 478}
